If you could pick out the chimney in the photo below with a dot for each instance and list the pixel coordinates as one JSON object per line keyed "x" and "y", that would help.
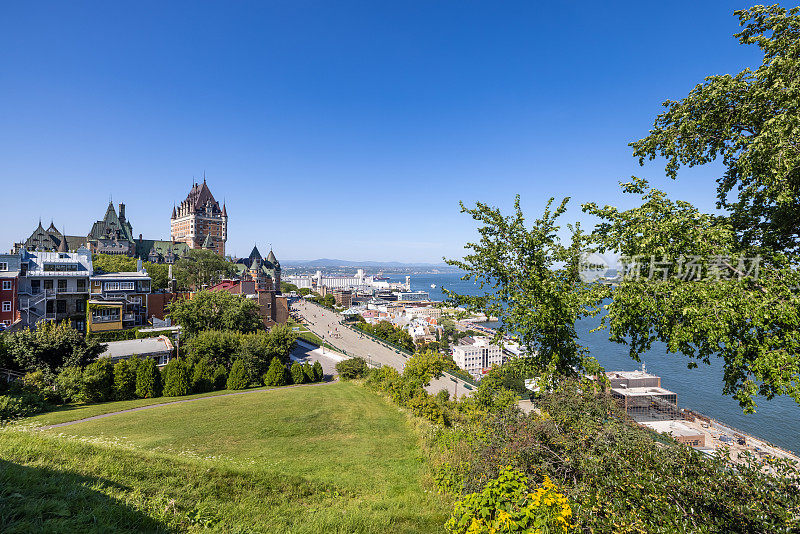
{"x": 122, "y": 212}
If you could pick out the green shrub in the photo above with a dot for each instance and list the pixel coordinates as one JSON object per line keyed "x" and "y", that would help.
{"x": 148, "y": 380}
{"x": 276, "y": 375}
{"x": 98, "y": 381}
{"x": 319, "y": 374}
{"x": 352, "y": 368}
{"x": 239, "y": 377}
{"x": 297, "y": 373}
{"x": 506, "y": 504}
{"x": 112, "y": 335}
{"x": 178, "y": 380}
{"x": 20, "y": 402}
{"x": 203, "y": 376}
{"x": 124, "y": 380}
{"x": 69, "y": 384}
{"x": 308, "y": 374}
{"x": 41, "y": 382}
{"x": 220, "y": 378}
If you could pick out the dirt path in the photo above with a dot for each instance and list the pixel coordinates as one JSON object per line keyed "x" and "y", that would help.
{"x": 129, "y": 410}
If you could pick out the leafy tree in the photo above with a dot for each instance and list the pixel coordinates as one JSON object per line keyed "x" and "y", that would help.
{"x": 218, "y": 346}
{"x": 319, "y": 374}
{"x": 124, "y": 380}
{"x": 707, "y": 299}
{"x": 69, "y": 384}
{"x": 239, "y": 377}
{"x": 276, "y": 374}
{"x": 50, "y": 346}
{"x": 98, "y": 381}
{"x": 203, "y": 376}
{"x": 280, "y": 341}
{"x": 308, "y": 373}
{"x": 298, "y": 376}
{"x": 178, "y": 378}
{"x": 220, "y": 378}
{"x": 424, "y": 366}
{"x": 200, "y": 268}
{"x": 148, "y": 380}
{"x": 351, "y": 368}
{"x": 304, "y": 291}
{"x": 216, "y": 310}
{"x": 532, "y": 283}
{"x": 286, "y": 287}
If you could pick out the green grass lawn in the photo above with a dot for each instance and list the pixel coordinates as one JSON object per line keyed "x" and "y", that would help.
{"x": 334, "y": 458}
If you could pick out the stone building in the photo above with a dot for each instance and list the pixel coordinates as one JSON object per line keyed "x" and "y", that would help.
{"x": 265, "y": 272}
{"x": 199, "y": 221}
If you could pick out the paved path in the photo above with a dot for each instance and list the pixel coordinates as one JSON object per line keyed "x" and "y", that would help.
{"x": 324, "y": 322}
{"x": 308, "y": 353}
{"x": 129, "y": 410}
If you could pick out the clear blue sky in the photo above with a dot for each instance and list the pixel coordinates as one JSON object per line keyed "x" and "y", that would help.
{"x": 341, "y": 129}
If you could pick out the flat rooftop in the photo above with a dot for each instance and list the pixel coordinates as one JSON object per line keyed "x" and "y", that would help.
{"x": 643, "y": 391}
{"x": 676, "y": 428}
{"x": 630, "y": 375}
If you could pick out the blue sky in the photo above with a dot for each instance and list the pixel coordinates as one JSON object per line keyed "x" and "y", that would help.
{"x": 341, "y": 129}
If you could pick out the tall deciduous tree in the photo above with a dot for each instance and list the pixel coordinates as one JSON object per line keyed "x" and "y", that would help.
{"x": 531, "y": 282}
{"x": 199, "y": 268}
{"x": 216, "y": 310}
{"x": 722, "y": 285}
{"x": 50, "y": 346}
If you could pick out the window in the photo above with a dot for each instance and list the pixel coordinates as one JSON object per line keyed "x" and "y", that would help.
{"x": 7, "y": 306}
{"x": 48, "y": 284}
{"x": 6, "y": 285}
{"x": 6, "y": 322}
{"x": 61, "y": 306}
{"x": 81, "y": 284}
{"x": 136, "y": 300}
{"x": 112, "y": 286}
{"x": 3, "y": 265}
{"x": 126, "y": 285}
{"x": 62, "y": 285}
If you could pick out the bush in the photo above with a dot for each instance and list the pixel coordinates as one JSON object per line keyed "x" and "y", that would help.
{"x": 124, "y": 380}
{"x": 41, "y": 383}
{"x": 308, "y": 373}
{"x": 177, "y": 382}
{"x": 203, "y": 376}
{"x": 276, "y": 375}
{"x": 319, "y": 374}
{"x": 352, "y": 368}
{"x": 298, "y": 376}
{"x": 239, "y": 377}
{"x": 20, "y": 402}
{"x": 69, "y": 384}
{"x": 220, "y": 378}
{"x": 98, "y": 381}
{"x": 506, "y": 505}
{"x": 148, "y": 380}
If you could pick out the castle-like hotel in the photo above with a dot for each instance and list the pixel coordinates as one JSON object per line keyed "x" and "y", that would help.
{"x": 197, "y": 223}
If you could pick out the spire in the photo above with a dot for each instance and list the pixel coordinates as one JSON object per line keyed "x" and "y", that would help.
{"x": 174, "y": 213}
{"x": 224, "y": 211}
{"x": 62, "y": 246}
{"x": 272, "y": 259}
{"x": 207, "y": 243}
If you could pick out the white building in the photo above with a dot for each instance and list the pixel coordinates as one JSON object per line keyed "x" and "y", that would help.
{"x": 478, "y": 356}
{"x": 413, "y": 296}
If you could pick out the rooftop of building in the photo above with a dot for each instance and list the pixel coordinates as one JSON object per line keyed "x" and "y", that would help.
{"x": 122, "y": 275}
{"x": 141, "y": 347}
{"x": 643, "y": 391}
{"x": 676, "y": 428}
{"x": 630, "y": 375}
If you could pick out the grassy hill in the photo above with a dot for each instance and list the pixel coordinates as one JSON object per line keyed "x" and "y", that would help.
{"x": 333, "y": 458}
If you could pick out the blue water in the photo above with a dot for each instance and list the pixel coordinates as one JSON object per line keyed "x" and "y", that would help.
{"x": 776, "y": 420}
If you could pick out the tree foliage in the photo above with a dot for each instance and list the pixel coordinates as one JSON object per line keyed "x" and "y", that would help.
{"x": 531, "y": 281}
{"x": 216, "y": 310}
{"x": 276, "y": 375}
{"x": 177, "y": 378}
{"x": 201, "y": 268}
{"x": 51, "y": 345}
{"x": 239, "y": 377}
{"x": 148, "y": 380}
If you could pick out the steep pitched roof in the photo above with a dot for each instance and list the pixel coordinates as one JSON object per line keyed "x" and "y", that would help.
{"x": 111, "y": 227}
{"x": 199, "y": 196}
{"x": 272, "y": 259}
{"x": 255, "y": 254}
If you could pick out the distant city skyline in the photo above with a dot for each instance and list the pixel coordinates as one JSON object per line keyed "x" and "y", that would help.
{"x": 342, "y": 130}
